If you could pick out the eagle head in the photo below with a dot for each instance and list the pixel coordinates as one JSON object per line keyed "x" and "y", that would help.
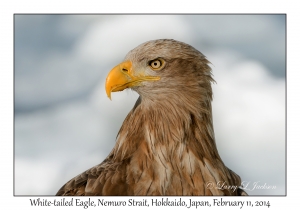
{"x": 161, "y": 68}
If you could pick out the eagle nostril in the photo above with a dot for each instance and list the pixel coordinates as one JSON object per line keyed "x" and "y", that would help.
{"x": 125, "y": 70}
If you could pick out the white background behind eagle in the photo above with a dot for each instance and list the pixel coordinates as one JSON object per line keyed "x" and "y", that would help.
{"x": 65, "y": 124}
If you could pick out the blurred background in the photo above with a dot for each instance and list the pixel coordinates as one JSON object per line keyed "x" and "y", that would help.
{"x": 65, "y": 124}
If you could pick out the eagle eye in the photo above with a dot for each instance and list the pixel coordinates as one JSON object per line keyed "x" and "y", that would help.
{"x": 157, "y": 64}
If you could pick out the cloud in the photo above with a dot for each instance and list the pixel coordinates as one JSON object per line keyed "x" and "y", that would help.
{"x": 115, "y": 36}
{"x": 249, "y": 120}
{"x": 41, "y": 172}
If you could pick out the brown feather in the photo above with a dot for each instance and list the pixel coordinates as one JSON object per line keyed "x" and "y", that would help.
{"x": 166, "y": 144}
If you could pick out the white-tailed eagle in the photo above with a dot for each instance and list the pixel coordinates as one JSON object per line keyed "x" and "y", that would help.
{"x": 166, "y": 145}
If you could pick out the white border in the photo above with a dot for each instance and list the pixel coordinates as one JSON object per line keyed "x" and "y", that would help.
{"x": 8, "y": 8}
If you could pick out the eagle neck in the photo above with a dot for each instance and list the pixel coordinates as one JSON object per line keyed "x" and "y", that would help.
{"x": 183, "y": 122}
{"x": 168, "y": 141}
{"x": 176, "y": 124}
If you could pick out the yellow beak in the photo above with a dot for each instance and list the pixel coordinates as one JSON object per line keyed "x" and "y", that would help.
{"x": 121, "y": 77}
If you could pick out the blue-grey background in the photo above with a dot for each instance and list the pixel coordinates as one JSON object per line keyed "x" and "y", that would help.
{"x": 65, "y": 124}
